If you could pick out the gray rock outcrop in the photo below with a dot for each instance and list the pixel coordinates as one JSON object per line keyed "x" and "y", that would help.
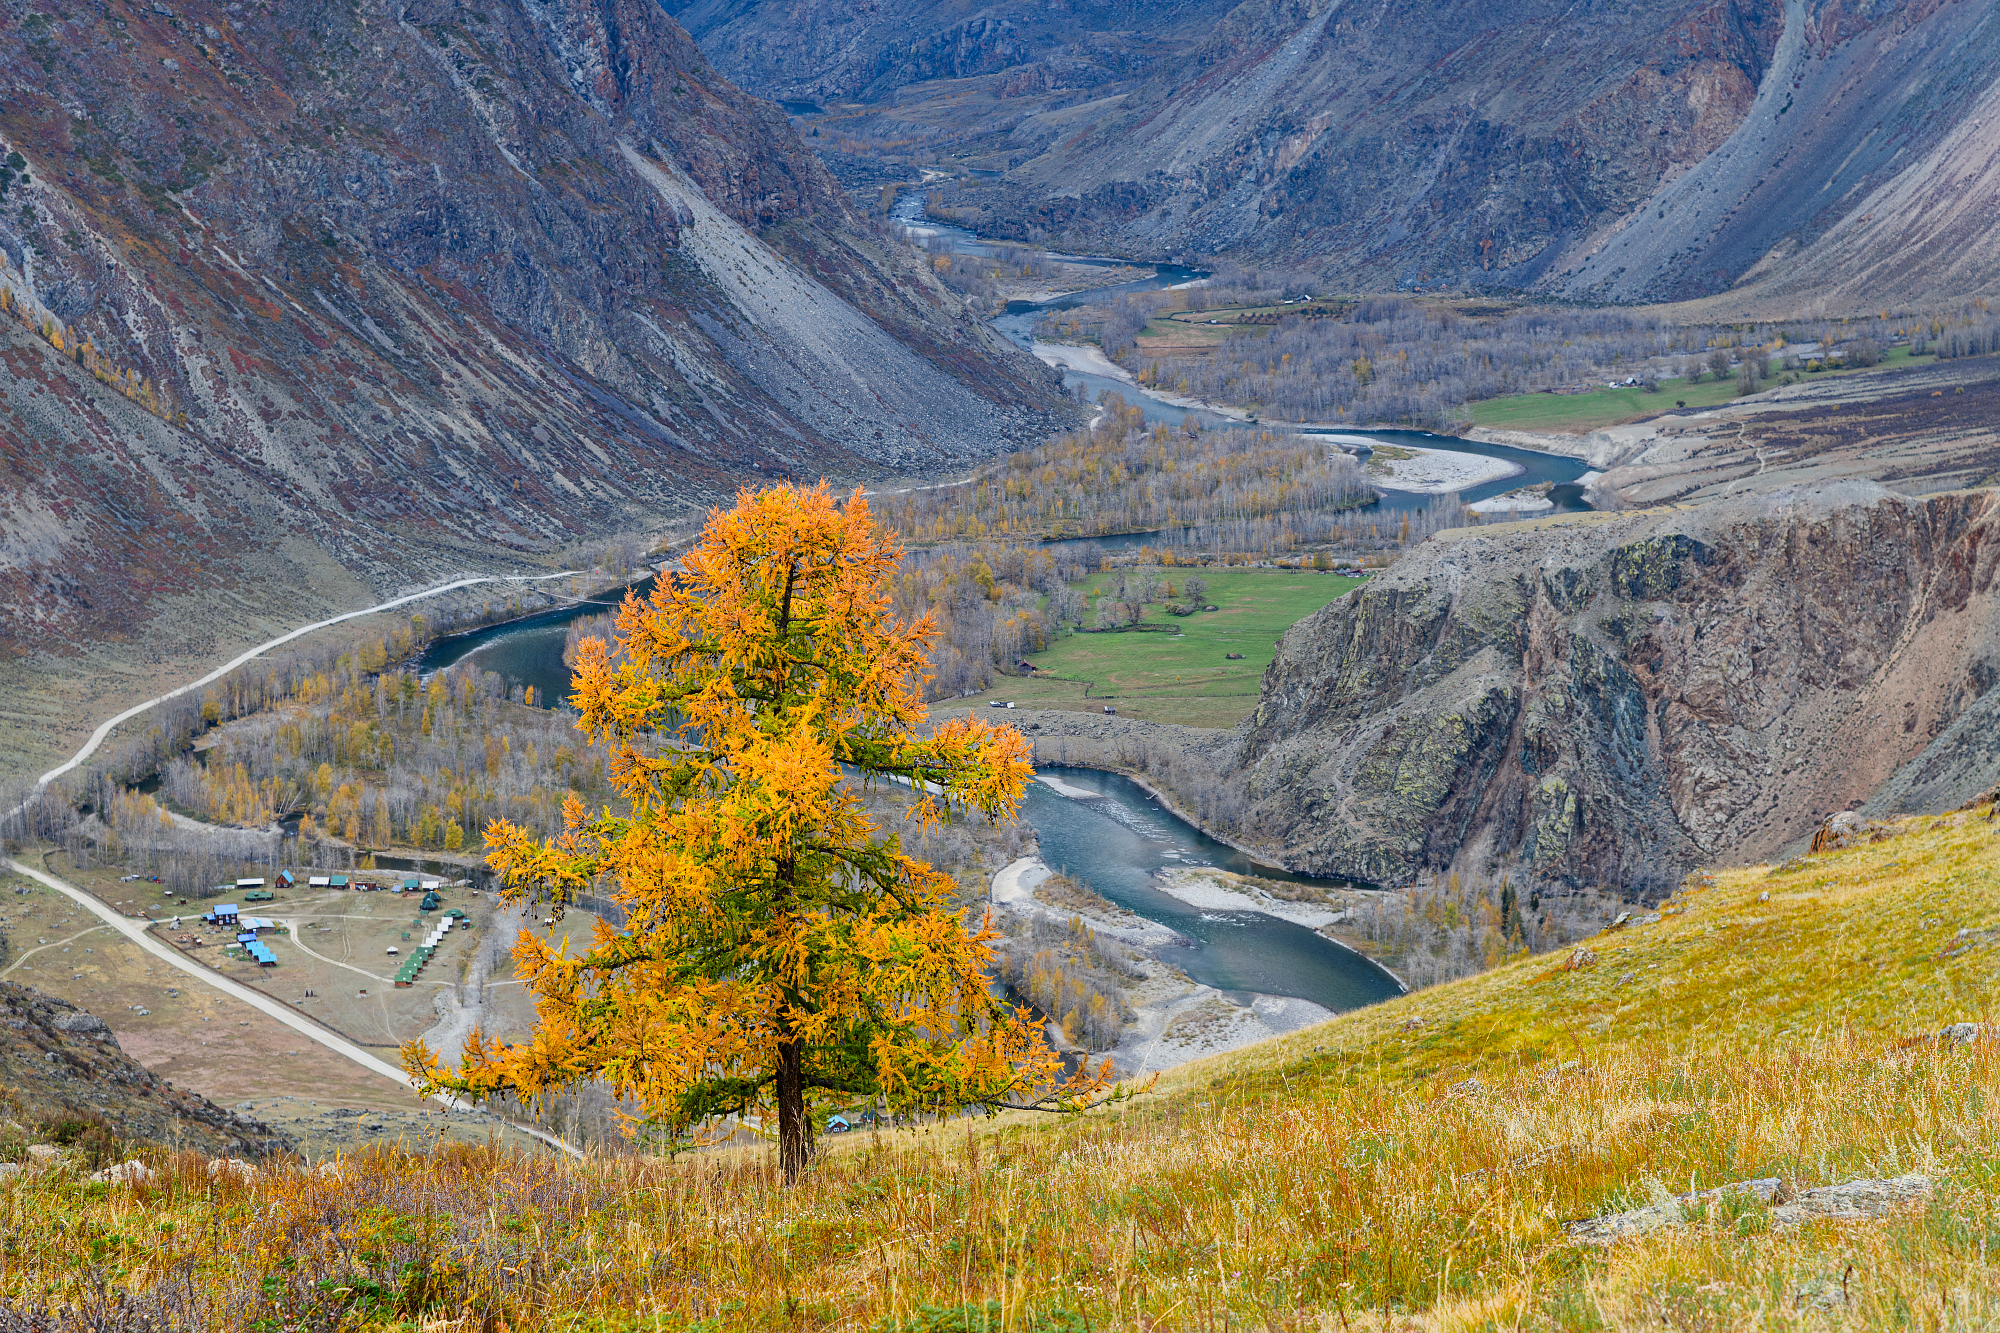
{"x": 1851, "y": 1201}
{"x": 59, "y": 1062}
{"x": 1615, "y": 699}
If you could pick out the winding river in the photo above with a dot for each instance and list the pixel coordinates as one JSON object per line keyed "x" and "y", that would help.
{"x": 527, "y": 651}
{"x": 1018, "y": 321}
{"x": 1114, "y": 841}
{"x": 1118, "y": 836}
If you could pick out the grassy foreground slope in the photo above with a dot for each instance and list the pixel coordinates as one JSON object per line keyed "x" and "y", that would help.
{"x": 1371, "y": 1172}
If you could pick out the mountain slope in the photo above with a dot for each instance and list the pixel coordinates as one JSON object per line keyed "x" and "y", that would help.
{"x": 1617, "y": 698}
{"x": 1852, "y": 179}
{"x": 1405, "y": 144}
{"x": 301, "y": 298}
{"x": 1829, "y": 151}
{"x": 59, "y": 1063}
{"x": 818, "y": 51}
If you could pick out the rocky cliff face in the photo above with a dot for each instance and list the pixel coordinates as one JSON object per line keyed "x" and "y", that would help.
{"x": 294, "y": 292}
{"x": 1664, "y": 150}
{"x": 58, "y": 1062}
{"x": 1615, "y": 699}
{"x": 818, "y": 51}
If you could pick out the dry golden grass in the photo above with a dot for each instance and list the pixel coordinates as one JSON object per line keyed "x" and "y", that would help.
{"x": 1367, "y": 1173}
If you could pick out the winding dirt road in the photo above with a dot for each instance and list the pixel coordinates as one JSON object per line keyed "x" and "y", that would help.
{"x": 99, "y": 736}
{"x": 141, "y": 935}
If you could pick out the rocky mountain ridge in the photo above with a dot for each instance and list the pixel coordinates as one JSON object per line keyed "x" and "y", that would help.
{"x": 304, "y": 298}
{"x": 826, "y": 54}
{"x": 1799, "y": 156}
{"x": 1614, "y": 699}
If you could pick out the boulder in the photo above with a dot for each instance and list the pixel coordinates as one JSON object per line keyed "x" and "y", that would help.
{"x": 77, "y": 1023}
{"x": 130, "y": 1172}
{"x": 1855, "y": 1200}
{"x": 1614, "y": 1227}
{"x": 1848, "y": 828}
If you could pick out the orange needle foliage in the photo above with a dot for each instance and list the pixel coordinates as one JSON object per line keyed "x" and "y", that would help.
{"x": 780, "y": 954}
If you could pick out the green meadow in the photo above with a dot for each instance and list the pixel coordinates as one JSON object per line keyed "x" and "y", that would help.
{"x": 1611, "y": 407}
{"x": 1183, "y": 677}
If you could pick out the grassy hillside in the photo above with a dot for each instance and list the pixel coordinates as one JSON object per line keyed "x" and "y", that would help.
{"x": 1406, "y": 1166}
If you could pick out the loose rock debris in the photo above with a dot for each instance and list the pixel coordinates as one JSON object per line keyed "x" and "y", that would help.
{"x": 1856, "y": 1200}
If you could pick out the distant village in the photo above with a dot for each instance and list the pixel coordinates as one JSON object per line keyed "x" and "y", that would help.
{"x": 234, "y": 918}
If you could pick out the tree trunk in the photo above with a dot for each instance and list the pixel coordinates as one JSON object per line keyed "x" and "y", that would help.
{"x": 795, "y": 1131}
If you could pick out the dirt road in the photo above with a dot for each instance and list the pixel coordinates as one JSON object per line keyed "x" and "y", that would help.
{"x": 137, "y": 931}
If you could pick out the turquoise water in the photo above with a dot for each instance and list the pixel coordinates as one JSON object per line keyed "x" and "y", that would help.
{"x": 526, "y": 651}
{"x": 1114, "y": 843}
{"x": 1117, "y": 840}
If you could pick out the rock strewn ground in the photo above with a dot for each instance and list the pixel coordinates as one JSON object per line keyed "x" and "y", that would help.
{"x": 57, "y": 1060}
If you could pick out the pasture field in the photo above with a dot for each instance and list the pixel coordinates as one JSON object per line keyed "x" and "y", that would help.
{"x": 1582, "y": 412}
{"x": 1185, "y": 677}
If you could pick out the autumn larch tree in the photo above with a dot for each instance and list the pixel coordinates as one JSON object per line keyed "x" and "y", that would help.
{"x": 781, "y": 955}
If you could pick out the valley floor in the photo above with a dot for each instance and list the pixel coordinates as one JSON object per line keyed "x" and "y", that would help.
{"x": 1915, "y": 428}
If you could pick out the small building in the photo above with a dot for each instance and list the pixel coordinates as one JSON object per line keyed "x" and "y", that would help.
{"x": 322, "y": 881}
{"x": 260, "y": 896}
{"x": 837, "y": 1124}
{"x": 223, "y": 915}
{"x": 431, "y": 901}
{"x": 337, "y": 881}
{"x": 256, "y": 883}
{"x": 262, "y": 953}
{"x": 286, "y": 878}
